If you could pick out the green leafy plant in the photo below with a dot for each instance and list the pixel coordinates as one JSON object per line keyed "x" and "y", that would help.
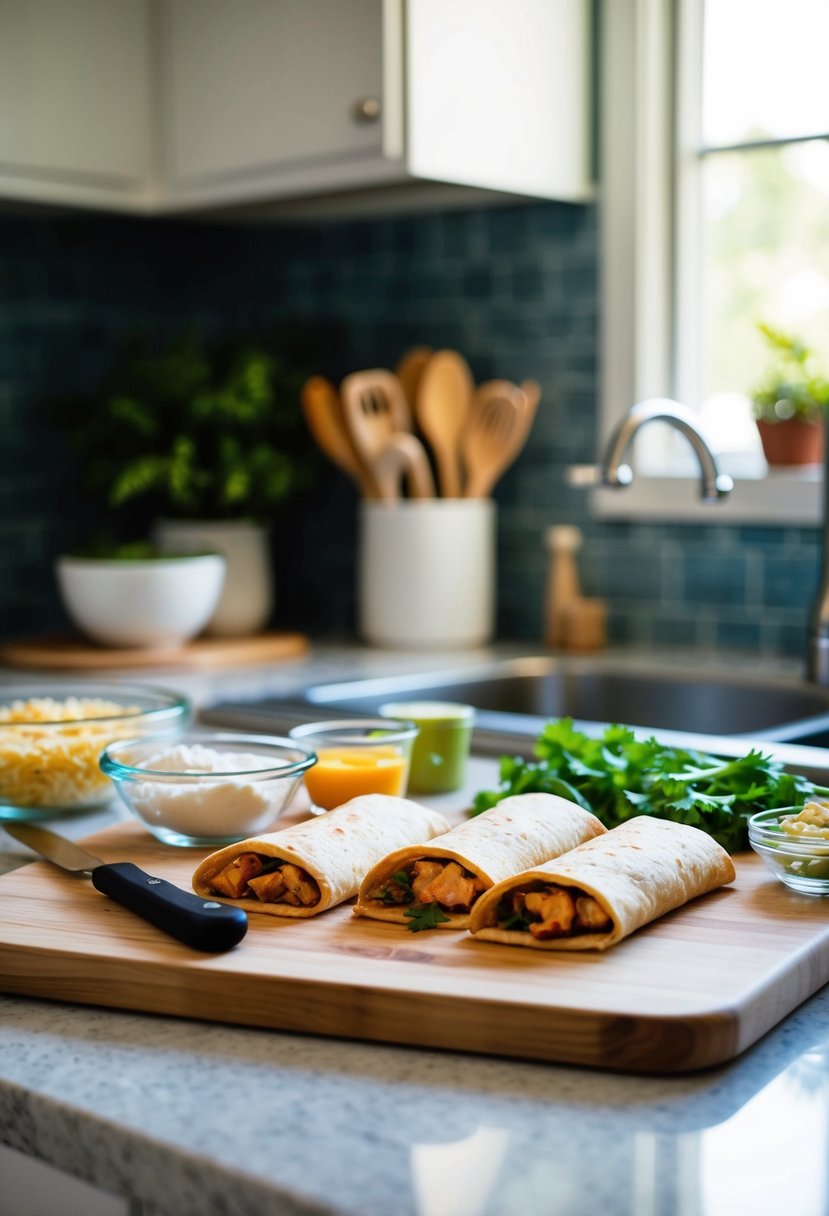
{"x": 189, "y": 431}
{"x": 617, "y": 776}
{"x": 104, "y": 549}
{"x": 793, "y": 386}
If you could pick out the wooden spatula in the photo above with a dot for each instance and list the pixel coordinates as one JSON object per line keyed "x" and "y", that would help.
{"x": 323, "y": 412}
{"x": 442, "y": 407}
{"x": 375, "y": 409}
{"x": 498, "y": 427}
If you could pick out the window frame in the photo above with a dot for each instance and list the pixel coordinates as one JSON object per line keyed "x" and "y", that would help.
{"x": 649, "y": 328}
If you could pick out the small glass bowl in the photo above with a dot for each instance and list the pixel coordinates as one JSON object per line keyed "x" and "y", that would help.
{"x": 441, "y": 749}
{"x": 207, "y": 789}
{"x": 52, "y": 734}
{"x": 356, "y": 756}
{"x": 799, "y": 861}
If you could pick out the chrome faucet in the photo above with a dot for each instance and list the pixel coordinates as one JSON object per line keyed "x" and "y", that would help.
{"x": 714, "y": 485}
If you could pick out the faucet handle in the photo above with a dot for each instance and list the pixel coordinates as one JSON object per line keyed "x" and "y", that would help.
{"x": 585, "y": 476}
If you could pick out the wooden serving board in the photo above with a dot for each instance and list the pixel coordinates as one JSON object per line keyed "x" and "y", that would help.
{"x": 71, "y": 652}
{"x": 692, "y": 990}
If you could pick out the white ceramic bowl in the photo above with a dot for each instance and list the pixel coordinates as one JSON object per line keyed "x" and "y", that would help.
{"x": 159, "y": 602}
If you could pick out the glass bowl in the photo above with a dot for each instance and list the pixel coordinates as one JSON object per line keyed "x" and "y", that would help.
{"x": 207, "y": 789}
{"x": 52, "y": 735}
{"x": 356, "y": 756}
{"x": 799, "y": 861}
{"x": 441, "y": 749}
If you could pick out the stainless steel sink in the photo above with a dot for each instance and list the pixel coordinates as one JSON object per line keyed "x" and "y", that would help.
{"x": 516, "y": 696}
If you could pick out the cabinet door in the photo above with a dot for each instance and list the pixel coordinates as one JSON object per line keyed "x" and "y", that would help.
{"x": 74, "y": 100}
{"x": 499, "y": 94}
{"x": 268, "y": 92}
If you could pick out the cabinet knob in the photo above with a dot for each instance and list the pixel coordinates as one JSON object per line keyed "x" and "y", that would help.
{"x": 366, "y": 109}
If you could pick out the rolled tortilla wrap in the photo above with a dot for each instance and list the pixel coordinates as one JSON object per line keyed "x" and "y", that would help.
{"x": 516, "y": 833}
{"x": 636, "y": 873}
{"x": 335, "y": 850}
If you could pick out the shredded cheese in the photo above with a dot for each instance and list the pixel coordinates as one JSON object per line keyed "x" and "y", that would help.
{"x": 812, "y": 822}
{"x": 49, "y": 750}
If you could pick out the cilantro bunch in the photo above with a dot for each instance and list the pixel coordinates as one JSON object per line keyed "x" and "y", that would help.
{"x": 617, "y": 776}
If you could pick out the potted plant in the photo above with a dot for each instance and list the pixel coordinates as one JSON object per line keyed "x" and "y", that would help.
{"x": 197, "y": 446}
{"x": 789, "y": 403}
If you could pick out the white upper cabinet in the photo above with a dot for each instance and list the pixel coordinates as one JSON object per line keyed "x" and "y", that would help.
{"x": 499, "y": 94}
{"x": 185, "y": 105}
{"x": 75, "y": 100}
{"x": 264, "y": 98}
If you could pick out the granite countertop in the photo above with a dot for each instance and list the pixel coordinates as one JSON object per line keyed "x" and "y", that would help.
{"x": 194, "y": 1119}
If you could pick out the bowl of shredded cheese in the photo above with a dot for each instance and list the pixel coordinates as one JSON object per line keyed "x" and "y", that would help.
{"x": 794, "y": 844}
{"x": 52, "y": 736}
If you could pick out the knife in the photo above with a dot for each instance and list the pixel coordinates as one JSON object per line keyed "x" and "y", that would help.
{"x": 202, "y": 924}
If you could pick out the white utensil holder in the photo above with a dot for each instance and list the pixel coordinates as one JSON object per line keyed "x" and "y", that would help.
{"x": 426, "y": 573}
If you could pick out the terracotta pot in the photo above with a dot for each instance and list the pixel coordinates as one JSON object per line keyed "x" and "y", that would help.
{"x": 791, "y": 442}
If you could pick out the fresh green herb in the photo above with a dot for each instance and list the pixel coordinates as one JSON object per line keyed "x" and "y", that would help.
{"x": 424, "y": 916}
{"x": 403, "y": 879}
{"x": 516, "y": 921}
{"x": 398, "y": 889}
{"x": 617, "y": 776}
{"x": 269, "y": 864}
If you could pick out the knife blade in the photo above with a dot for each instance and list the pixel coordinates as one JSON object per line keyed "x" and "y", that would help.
{"x": 203, "y": 924}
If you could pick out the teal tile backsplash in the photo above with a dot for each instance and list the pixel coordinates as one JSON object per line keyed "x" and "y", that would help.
{"x": 514, "y": 288}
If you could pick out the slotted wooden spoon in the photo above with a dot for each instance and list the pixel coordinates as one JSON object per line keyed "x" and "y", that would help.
{"x": 323, "y": 412}
{"x": 444, "y": 395}
{"x": 375, "y": 409}
{"x": 499, "y": 423}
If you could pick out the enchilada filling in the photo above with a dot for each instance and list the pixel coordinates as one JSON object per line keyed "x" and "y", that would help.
{"x": 548, "y": 911}
{"x": 430, "y": 882}
{"x": 266, "y": 878}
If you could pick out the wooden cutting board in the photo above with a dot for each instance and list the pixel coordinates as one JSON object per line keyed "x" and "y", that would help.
{"x": 692, "y": 990}
{"x": 71, "y": 652}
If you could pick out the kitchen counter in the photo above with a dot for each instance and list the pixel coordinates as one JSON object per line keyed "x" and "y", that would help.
{"x": 192, "y": 1118}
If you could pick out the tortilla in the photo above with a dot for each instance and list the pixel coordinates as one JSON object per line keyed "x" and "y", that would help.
{"x": 335, "y": 849}
{"x": 637, "y": 872}
{"x": 520, "y": 831}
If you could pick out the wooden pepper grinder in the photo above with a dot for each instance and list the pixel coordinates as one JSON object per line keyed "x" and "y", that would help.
{"x": 572, "y": 621}
{"x": 562, "y": 542}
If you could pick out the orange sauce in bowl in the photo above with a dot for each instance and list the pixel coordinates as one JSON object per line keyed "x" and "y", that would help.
{"x": 342, "y": 773}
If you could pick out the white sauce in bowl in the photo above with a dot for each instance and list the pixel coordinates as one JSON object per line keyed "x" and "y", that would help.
{"x": 229, "y": 806}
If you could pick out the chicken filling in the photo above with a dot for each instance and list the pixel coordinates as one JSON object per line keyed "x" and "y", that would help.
{"x": 268, "y": 879}
{"x": 548, "y": 911}
{"x": 431, "y": 881}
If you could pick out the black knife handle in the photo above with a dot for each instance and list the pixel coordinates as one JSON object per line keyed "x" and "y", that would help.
{"x": 201, "y": 923}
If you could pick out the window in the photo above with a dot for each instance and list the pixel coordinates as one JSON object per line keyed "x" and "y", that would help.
{"x": 715, "y": 215}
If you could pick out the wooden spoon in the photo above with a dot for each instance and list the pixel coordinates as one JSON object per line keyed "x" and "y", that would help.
{"x": 442, "y": 407}
{"x": 410, "y": 369}
{"x": 323, "y": 412}
{"x": 498, "y": 428}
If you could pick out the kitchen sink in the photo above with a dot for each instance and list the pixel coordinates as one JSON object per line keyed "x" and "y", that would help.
{"x": 516, "y": 697}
